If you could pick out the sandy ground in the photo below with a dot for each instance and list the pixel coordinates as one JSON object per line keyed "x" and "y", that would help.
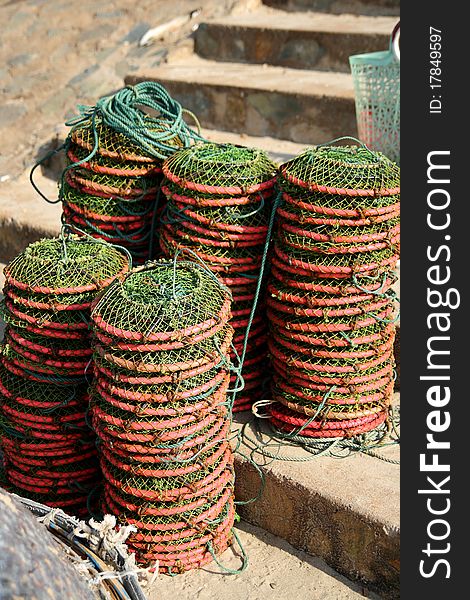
{"x": 276, "y": 571}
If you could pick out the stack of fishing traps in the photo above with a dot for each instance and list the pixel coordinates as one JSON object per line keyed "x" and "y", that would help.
{"x": 49, "y": 450}
{"x": 160, "y": 410}
{"x": 219, "y": 200}
{"x": 110, "y": 188}
{"x": 330, "y": 303}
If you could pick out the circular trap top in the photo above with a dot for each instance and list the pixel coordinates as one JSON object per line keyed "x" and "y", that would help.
{"x": 344, "y": 170}
{"x": 163, "y": 301}
{"x": 65, "y": 266}
{"x": 221, "y": 169}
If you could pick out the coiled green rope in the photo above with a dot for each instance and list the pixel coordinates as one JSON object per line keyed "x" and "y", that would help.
{"x": 124, "y": 113}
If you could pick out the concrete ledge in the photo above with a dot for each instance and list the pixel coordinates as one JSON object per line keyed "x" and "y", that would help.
{"x": 295, "y": 40}
{"x": 358, "y": 7}
{"x": 24, "y": 216}
{"x": 345, "y": 511}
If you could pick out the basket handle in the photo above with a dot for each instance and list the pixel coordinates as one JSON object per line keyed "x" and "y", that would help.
{"x": 395, "y": 41}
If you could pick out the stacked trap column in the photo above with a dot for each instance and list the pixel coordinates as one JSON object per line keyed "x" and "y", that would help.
{"x": 160, "y": 410}
{"x": 330, "y": 303}
{"x": 219, "y": 200}
{"x": 49, "y": 450}
{"x": 110, "y": 187}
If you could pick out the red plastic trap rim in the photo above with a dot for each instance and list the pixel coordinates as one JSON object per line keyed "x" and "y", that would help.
{"x": 174, "y": 506}
{"x": 170, "y": 378}
{"x": 379, "y": 392}
{"x": 102, "y": 151}
{"x": 92, "y": 165}
{"x": 190, "y": 525}
{"x": 189, "y": 446}
{"x": 181, "y": 554}
{"x": 142, "y": 367}
{"x": 314, "y": 187}
{"x": 110, "y": 429}
{"x": 9, "y": 293}
{"x": 43, "y": 322}
{"x": 153, "y": 397}
{"x": 292, "y": 296}
{"x": 337, "y": 249}
{"x": 390, "y": 234}
{"x": 300, "y": 267}
{"x": 217, "y": 202}
{"x": 330, "y": 327}
{"x": 210, "y": 439}
{"x": 345, "y": 354}
{"x": 277, "y": 352}
{"x": 117, "y": 343}
{"x": 218, "y": 320}
{"x": 26, "y": 462}
{"x": 168, "y": 235}
{"x": 217, "y": 189}
{"x": 162, "y": 427}
{"x": 147, "y": 470}
{"x": 199, "y": 408}
{"x": 217, "y": 227}
{"x": 336, "y": 343}
{"x": 286, "y": 416}
{"x": 334, "y": 221}
{"x": 188, "y": 491}
{"x": 216, "y": 241}
{"x": 322, "y": 287}
{"x": 77, "y": 180}
{"x": 218, "y": 232}
{"x": 358, "y": 213}
{"x": 182, "y": 564}
{"x": 326, "y": 312}
{"x": 327, "y": 413}
{"x": 345, "y": 432}
{"x": 64, "y": 363}
{"x": 56, "y": 351}
{"x": 302, "y": 376}
{"x": 198, "y": 539}
{"x": 129, "y": 232}
{"x": 63, "y": 290}
{"x": 129, "y": 221}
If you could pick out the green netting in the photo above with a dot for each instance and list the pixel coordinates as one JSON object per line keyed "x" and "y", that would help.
{"x": 162, "y": 298}
{"x": 113, "y": 185}
{"x": 101, "y": 163}
{"x": 113, "y": 144}
{"x": 60, "y": 264}
{"x": 220, "y": 165}
{"x": 106, "y": 207}
{"x": 343, "y": 168}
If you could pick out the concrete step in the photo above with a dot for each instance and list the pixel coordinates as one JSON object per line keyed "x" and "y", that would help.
{"x": 361, "y": 7}
{"x": 303, "y": 106}
{"x": 275, "y": 570}
{"x": 295, "y": 40}
{"x": 24, "y": 216}
{"x": 344, "y": 511}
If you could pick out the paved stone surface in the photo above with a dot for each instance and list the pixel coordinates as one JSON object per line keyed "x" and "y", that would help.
{"x": 55, "y": 55}
{"x": 275, "y": 570}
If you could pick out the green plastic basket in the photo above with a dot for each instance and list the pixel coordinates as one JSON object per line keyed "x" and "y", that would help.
{"x": 376, "y": 77}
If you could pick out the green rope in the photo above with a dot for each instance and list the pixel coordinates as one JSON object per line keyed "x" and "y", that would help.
{"x": 124, "y": 113}
{"x": 244, "y": 557}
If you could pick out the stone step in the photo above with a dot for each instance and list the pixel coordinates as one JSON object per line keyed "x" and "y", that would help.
{"x": 275, "y": 570}
{"x": 295, "y": 40}
{"x": 308, "y": 107}
{"x": 344, "y": 511}
{"x": 361, "y": 7}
